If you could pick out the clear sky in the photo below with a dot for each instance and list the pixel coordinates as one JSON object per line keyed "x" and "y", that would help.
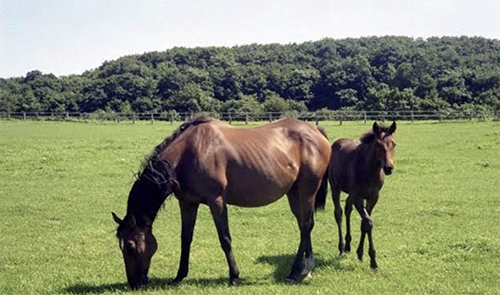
{"x": 70, "y": 36}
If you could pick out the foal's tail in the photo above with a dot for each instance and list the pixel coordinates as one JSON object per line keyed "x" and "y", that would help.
{"x": 319, "y": 204}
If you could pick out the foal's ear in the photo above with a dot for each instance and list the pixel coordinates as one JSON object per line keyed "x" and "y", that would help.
{"x": 116, "y": 218}
{"x": 376, "y": 128}
{"x": 392, "y": 129}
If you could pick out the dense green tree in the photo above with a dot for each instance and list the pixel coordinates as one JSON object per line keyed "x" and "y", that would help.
{"x": 371, "y": 73}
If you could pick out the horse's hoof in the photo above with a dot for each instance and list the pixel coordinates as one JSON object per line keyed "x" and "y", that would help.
{"x": 174, "y": 282}
{"x": 291, "y": 281}
{"x": 347, "y": 248}
{"x": 305, "y": 276}
{"x": 374, "y": 266}
{"x": 233, "y": 283}
{"x": 360, "y": 255}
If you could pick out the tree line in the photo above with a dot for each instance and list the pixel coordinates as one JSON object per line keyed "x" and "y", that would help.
{"x": 372, "y": 74}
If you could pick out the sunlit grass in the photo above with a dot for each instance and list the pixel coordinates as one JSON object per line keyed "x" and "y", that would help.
{"x": 436, "y": 224}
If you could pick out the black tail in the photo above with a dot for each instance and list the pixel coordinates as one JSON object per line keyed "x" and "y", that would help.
{"x": 319, "y": 204}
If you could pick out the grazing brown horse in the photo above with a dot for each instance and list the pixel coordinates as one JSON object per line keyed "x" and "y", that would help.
{"x": 209, "y": 162}
{"x": 359, "y": 169}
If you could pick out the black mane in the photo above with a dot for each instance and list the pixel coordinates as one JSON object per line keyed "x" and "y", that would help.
{"x": 148, "y": 171}
{"x": 156, "y": 178}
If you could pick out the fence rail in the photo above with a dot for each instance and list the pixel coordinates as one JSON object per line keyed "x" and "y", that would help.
{"x": 262, "y": 116}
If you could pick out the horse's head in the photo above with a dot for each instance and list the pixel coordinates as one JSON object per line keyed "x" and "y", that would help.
{"x": 135, "y": 233}
{"x": 385, "y": 145}
{"x": 138, "y": 245}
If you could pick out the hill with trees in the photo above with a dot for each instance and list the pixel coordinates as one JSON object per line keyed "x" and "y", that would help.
{"x": 372, "y": 73}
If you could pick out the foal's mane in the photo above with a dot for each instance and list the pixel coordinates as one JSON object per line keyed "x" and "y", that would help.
{"x": 370, "y": 136}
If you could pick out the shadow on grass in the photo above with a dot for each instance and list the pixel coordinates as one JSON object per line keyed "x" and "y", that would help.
{"x": 283, "y": 264}
{"x": 154, "y": 284}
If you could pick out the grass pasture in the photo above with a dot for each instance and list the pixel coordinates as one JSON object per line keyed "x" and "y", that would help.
{"x": 436, "y": 226}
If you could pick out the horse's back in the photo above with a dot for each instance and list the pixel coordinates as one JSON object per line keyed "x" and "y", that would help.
{"x": 254, "y": 166}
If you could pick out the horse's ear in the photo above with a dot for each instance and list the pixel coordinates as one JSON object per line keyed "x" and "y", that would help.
{"x": 146, "y": 220}
{"x": 392, "y": 129}
{"x": 376, "y": 128}
{"x": 131, "y": 222}
{"x": 116, "y": 218}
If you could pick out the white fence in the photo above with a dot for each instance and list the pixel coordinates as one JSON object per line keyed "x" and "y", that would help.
{"x": 246, "y": 117}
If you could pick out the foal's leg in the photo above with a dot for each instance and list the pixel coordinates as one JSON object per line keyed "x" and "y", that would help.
{"x": 218, "y": 209}
{"x": 188, "y": 215}
{"x": 348, "y": 210}
{"x": 366, "y": 228}
{"x": 370, "y": 204}
{"x": 338, "y": 215}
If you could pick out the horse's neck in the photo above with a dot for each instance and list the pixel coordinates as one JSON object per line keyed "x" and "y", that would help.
{"x": 367, "y": 164}
{"x": 145, "y": 200}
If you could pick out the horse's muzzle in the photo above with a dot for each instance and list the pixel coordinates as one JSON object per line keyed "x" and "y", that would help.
{"x": 388, "y": 170}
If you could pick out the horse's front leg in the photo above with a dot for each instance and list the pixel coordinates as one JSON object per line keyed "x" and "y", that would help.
{"x": 366, "y": 223}
{"x": 188, "y": 215}
{"x": 218, "y": 209}
{"x": 370, "y": 204}
{"x": 366, "y": 228}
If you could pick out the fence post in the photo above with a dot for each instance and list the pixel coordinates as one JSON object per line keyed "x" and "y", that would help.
{"x": 412, "y": 117}
{"x": 36, "y": 115}
{"x": 364, "y": 117}
{"x": 230, "y": 118}
{"x": 270, "y": 117}
{"x": 316, "y": 118}
{"x": 67, "y": 115}
{"x": 8, "y": 115}
{"x": 340, "y": 117}
{"x": 152, "y": 118}
{"x": 24, "y": 115}
{"x": 246, "y": 118}
{"x": 171, "y": 118}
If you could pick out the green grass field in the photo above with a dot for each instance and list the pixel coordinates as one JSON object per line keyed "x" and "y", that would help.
{"x": 436, "y": 226}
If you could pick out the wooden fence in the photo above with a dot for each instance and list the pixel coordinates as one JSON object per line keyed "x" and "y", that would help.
{"x": 246, "y": 117}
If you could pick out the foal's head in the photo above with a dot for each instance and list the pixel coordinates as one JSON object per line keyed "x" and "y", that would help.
{"x": 384, "y": 145}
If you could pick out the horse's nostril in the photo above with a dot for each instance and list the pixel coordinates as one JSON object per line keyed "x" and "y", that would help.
{"x": 388, "y": 170}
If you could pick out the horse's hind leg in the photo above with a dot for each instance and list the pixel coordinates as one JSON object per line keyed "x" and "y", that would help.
{"x": 338, "y": 215}
{"x": 218, "y": 209}
{"x": 348, "y": 210}
{"x": 305, "y": 221}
